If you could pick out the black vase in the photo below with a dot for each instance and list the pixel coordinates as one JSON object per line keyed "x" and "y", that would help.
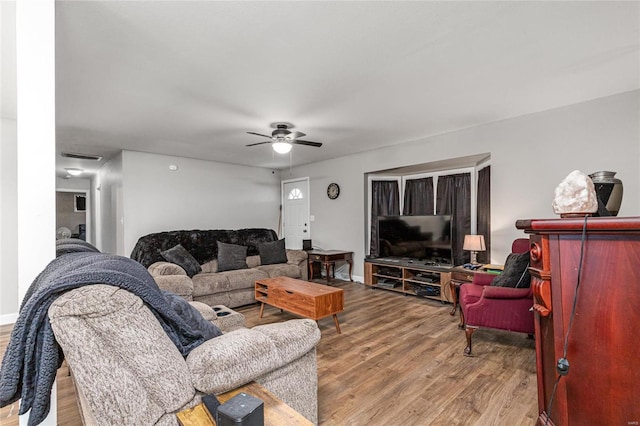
{"x": 609, "y": 192}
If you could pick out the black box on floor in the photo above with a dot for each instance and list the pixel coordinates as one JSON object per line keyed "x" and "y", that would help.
{"x": 241, "y": 410}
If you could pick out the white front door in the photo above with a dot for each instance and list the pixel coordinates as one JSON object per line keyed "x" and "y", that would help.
{"x": 295, "y": 201}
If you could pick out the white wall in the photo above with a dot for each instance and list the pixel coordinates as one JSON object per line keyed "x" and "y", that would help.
{"x": 198, "y": 195}
{"x": 8, "y": 165}
{"x": 530, "y": 155}
{"x": 72, "y": 184}
{"x": 108, "y": 195}
{"x": 8, "y": 218}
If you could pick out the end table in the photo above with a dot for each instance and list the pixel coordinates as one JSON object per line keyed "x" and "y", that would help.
{"x": 328, "y": 258}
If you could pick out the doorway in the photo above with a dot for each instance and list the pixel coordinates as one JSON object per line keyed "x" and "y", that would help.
{"x": 72, "y": 214}
{"x": 295, "y": 212}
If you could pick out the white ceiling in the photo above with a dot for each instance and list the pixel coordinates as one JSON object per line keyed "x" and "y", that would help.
{"x": 191, "y": 78}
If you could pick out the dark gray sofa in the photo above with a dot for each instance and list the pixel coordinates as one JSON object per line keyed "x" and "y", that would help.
{"x": 229, "y": 288}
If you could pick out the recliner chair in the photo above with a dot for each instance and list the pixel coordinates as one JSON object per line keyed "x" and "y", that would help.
{"x": 128, "y": 372}
{"x": 499, "y": 307}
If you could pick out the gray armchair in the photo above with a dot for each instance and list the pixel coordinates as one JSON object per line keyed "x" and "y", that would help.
{"x": 127, "y": 371}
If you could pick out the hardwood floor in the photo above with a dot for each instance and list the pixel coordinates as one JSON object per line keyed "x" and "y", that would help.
{"x": 398, "y": 361}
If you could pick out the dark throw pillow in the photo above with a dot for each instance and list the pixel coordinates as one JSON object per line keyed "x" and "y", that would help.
{"x": 272, "y": 253}
{"x": 516, "y": 272}
{"x": 191, "y": 316}
{"x": 181, "y": 257}
{"x": 231, "y": 257}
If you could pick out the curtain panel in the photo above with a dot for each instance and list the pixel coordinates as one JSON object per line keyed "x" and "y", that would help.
{"x": 418, "y": 197}
{"x": 454, "y": 198}
{"x": 385, "y": 201}
{"x": 484, "y": 212}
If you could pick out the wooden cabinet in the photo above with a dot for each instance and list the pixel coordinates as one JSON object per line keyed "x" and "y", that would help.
{"x": 418, "y": 280}
{"x": 602, "y": 386}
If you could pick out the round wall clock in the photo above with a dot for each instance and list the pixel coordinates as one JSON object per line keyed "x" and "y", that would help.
{"x": 333, "y": 190}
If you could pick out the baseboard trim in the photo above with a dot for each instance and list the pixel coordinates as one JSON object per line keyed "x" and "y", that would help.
{"x": 345, "y": 277}
{"x": 8, "y": 319}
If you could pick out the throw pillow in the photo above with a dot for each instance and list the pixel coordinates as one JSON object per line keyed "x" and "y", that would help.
{"x": 272, "y": 252}
{"x": 231, "y": 257}
{"x": 181, "y": 257}
{"x": 516, "y": 272}
{"x": 192, "y": 316}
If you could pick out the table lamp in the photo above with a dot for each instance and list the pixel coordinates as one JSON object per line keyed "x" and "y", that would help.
{"x": 474, "y": 244}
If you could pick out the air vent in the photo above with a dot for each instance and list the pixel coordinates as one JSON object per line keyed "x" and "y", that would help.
{"x": 81, "y": 156}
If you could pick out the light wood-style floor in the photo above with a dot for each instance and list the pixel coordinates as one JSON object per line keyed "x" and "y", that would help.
{"x": 398, "y": 361}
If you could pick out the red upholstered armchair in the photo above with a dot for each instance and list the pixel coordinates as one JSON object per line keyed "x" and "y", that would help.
{"x": 504, "y": 308}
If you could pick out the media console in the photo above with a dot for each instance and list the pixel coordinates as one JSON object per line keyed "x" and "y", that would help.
{"x": 409, "y": 276}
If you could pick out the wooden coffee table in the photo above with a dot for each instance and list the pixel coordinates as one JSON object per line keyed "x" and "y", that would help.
{"x": 309, "y": 300}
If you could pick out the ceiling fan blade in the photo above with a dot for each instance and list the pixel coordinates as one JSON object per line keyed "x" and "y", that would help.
{"x": 259, "y": 134}
{"x": 296, "y": 135}
{"x": 308, "y": 143}
{"x": 258, "y": 143}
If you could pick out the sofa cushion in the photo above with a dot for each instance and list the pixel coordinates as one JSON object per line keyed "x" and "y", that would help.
{"x": 204, "y": 284}
{"x": 253, "y": 261}
{"x": 192, "y": 316}
{"x": 212, "y": 265}
{"x": 181, "y": 257}
{"x": 273, "y": 252}
{"x": 281, "y": 270}
{"x": 220, "y": 282}
{"x": 232, "y": 360}
{"x": 165, "y": 268}
{"x": 515, "y": 273}
{"x": 205, "y": 310}
{"x": 231, "y": 257}
{"x": 292, "y": 338}
{"x": 244, "y": 278}
{"x": 181, "y": 285}
{"x": 245, "y": 354}
{"x": 296, "y": 257}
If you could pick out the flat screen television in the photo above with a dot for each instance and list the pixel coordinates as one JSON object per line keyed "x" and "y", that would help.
{"x": 425, "y": 238}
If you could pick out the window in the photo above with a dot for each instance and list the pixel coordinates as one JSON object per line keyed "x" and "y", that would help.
{"x": 456, "y": 195}
{"x": 295, "y": 194}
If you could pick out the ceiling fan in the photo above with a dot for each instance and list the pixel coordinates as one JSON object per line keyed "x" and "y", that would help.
{"x": 282, "y": 138}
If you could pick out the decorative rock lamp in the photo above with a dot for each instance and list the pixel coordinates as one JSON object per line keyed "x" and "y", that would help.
{"x": 575, "y": 196}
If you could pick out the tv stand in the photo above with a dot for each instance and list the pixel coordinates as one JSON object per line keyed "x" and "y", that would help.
{"x": 409, "y": 276}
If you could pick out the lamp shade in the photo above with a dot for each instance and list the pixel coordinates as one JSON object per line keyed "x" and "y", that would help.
{"x": 281, "y": 147}
{"x": 474, "y": 243}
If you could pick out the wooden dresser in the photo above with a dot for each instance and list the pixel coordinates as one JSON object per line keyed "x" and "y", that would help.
{"x": 602, "y": 386}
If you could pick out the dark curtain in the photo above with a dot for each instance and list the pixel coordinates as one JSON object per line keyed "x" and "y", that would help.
{"x": 454, "y": 198}
{"x": 484, "y": 212}
{"x": 385, "y": 201}
{"x": 418, "y": 197}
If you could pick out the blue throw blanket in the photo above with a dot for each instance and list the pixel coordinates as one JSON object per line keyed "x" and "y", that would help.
{"x": 33, "y": 355}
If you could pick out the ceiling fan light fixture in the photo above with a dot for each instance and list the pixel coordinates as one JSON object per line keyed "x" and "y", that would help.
{"x": 282, "y": 147}
{"x": 74, "y": 172}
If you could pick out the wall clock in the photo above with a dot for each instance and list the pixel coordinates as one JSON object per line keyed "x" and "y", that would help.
{"x": 333, "y": 190}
